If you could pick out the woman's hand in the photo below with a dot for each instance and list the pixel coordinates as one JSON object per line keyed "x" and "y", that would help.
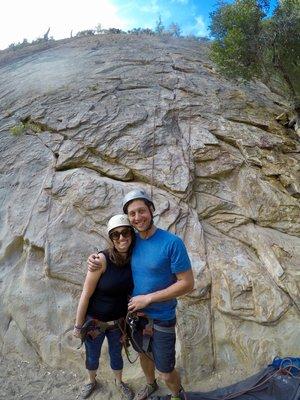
{"x": 77, "y": 332}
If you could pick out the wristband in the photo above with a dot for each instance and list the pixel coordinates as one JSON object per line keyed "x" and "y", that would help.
{"x": 78, "y": 327}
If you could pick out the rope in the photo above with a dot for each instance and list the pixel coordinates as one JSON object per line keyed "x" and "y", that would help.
{"x": 134, "y": 342}
{"x": 189, "y": 155}
{"x": 234, "y": 395}
{"x": 153, "y": 148}
{"x": 154, "y": 139}
{"x": 259, "y": 385}
{"x": 153, "y": 136}
{"x": 288, "y": 367}
{"x": 124, "y": 342}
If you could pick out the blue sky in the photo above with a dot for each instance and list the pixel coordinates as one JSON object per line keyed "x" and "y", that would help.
{"x": 191, "y": 15}
{"x": 30, "y": 19}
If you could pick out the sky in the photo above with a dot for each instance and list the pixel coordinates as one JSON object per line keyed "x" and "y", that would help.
{"x": 30, "y": 19}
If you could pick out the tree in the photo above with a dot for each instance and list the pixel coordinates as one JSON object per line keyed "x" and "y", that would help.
{"x": 114, "y": 31}
{"x": 159, "y": 27}
{"x": 174, "y": 29}
{"x": 46, "y": 35}
{"x": 98, "y": 29}
{"x": 249, "y": 44}
{"x": 86, "y": 32}
{"x": 141, "y": 31}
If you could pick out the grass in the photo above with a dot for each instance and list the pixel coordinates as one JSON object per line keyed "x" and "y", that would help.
{"x": 22, "y": 127}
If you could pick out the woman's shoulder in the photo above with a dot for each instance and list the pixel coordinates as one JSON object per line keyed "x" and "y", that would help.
{"x": 103, "y": 258}
{"x": 103, "y": 253}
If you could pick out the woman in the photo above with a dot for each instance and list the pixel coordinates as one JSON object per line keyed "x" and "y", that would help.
{"x": 104, "y": 298}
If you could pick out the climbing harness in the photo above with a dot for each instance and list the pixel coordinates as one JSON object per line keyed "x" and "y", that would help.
{"x": 125, "y": 339}
{"x": 133, "y": 320}
{"x": 93, "y": 328}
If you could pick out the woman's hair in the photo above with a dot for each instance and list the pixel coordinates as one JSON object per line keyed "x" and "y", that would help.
{"x": 116, "y": 257}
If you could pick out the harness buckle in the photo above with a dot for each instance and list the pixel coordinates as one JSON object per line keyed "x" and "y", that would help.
{"x": 148, "y": 330}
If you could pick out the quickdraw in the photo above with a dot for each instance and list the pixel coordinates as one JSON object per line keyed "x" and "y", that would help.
{"x": 132, "y": 320}
{"x": 125, "y": 340}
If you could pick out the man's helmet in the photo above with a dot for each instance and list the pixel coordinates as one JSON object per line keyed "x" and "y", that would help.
{"x": 116, "y": 221}
{"x": 137, "y": 194}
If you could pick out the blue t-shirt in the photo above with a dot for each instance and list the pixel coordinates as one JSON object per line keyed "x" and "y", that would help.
{"x": 154, "y": 263}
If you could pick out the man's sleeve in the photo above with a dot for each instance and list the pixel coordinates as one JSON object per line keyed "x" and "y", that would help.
{"x": 180, "y": 261}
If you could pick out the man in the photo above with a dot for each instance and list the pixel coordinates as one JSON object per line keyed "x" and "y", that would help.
{"x": 161, "y": 272}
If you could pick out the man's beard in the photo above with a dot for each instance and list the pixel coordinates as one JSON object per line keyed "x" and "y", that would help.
{"x": 148, "y": 227}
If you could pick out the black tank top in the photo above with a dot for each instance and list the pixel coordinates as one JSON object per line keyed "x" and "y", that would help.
{"x": 110, "y": 298}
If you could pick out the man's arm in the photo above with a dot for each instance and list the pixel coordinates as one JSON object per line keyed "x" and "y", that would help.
{"x": 94, "y": 262}
{"x": 183, "y": 285}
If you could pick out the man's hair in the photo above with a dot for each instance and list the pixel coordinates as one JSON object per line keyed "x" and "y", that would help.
{"x": 148, "y": 203}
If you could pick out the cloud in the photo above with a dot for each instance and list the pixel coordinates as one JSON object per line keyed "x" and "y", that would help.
{"x": 30, "y": 19}
{"x": 151, "y": 7}
{"x": 180, "y": 1}
{"x": 198, "y": 29}
{"x": 201, "y": 27}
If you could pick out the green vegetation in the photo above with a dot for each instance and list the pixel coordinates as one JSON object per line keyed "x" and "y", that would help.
{"x": 25, "y": 126}
{"x": 174, "y": 29}
{"x": 141, "y": 31}
{"x": 249, "y": 44}
{"x": 87, "y": 32}
{"x": 18, "y": 129}
{"x": 94, "y": 87}
{"x": 25, "y": 43}
{"x": 33, "y": 126}
{"x": 160, "y": 30}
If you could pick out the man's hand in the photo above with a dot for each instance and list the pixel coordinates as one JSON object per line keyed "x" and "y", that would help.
{"x": 94, "y": 262}
{"x": 139, "y": 302}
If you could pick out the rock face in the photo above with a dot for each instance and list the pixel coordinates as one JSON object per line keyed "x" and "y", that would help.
{"x": 89, "y": 119}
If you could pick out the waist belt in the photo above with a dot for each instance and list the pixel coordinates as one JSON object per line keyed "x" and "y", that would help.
{"x": 110, "y": 324}
{"x": 132, "y": 320}
{"x": 148, "y": 332}
{"x": 166, "y": 329}
{"x": 93, "y": 327}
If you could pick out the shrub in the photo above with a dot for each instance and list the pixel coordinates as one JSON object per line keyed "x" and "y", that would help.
{"x": 87, "y": 32}
{"x": 18, "y": 129}
{"x": 24, "y": 126}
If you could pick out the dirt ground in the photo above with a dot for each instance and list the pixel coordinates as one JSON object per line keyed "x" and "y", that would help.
{"x": 32, "y": 381}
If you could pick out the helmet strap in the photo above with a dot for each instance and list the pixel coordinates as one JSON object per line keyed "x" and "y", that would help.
{"x": 151, "y": 221}
{"x": 150, "y": 224}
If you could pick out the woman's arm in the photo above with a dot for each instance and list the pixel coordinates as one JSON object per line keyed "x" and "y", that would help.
{"x": 89, "y": 287}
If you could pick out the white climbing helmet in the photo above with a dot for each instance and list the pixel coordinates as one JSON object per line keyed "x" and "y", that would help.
{"x": 116, "y": 221}
{"x": 137, "y": 194}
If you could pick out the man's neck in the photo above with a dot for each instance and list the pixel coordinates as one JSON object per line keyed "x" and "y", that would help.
{"x": 148, "y": 233}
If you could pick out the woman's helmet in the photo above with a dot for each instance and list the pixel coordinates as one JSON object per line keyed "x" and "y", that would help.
{"x": 116, "y": 221}
{"x": 137, "y": 194}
